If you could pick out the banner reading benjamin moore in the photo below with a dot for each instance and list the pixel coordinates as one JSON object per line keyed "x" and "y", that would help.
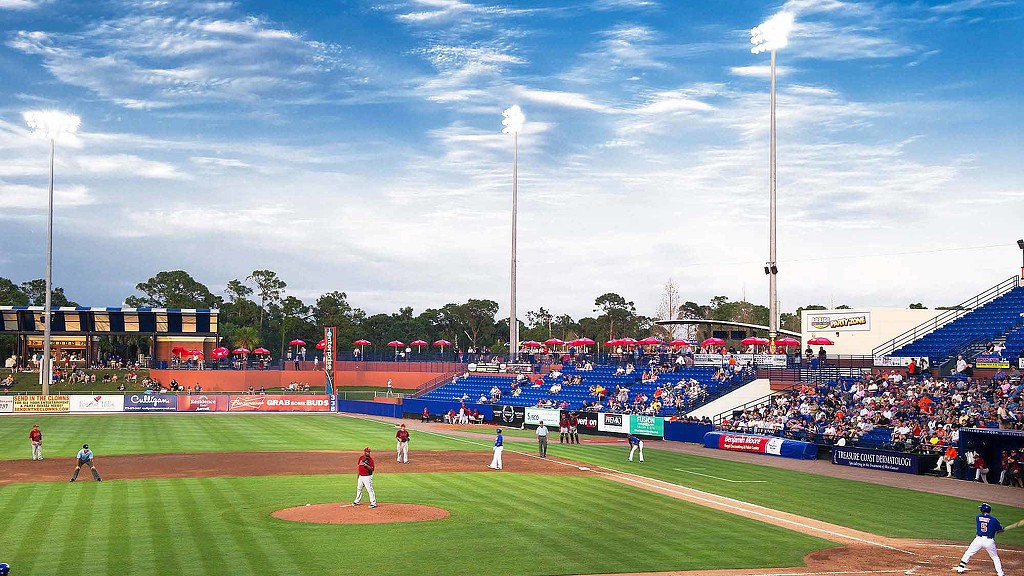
{"x": 836, "y": 321}
{"x": 98, "y": 403}
{"x": 150, "y": 403}
{"x": 534, "y": 416}
{"x": 203, "y": 403}
{"x": 613, "y": 423}
{"x": 761, "y": 445}
{"x": 875, "y": 460}
{"x": 509, "y": 416}
{"x": 646, "y": 425}
{"x": 42, "y": 403}
{"x": 297, "y": 403}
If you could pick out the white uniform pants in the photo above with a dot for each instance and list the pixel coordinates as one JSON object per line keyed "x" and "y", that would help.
{"x": 37, "y": 450}
{"x": 989, "y": 545}
{"x": 496, "y": 461}
{"x": 403, "y": 452}
{"x": 636, "y": 447}
{"x": 365, "y": 482}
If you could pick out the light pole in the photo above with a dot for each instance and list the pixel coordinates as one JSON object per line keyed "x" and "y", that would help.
{"x": 770, "y": 36}
{"x": 53, "y": 125}
{"x": 1020, "y": 244}
{"x": 513, "y": 124}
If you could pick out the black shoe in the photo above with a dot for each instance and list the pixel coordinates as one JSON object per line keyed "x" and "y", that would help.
{"x": 72, "y": 480}
{"x": 99, "y": 479}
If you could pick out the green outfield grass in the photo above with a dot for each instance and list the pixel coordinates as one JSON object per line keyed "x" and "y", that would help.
{"x": 502, "y": 524}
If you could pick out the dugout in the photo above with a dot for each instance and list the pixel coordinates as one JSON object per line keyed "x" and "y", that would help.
{"x": 990, "y": 443}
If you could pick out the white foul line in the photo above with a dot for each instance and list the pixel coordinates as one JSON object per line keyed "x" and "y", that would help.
{"x": 722, "y": 479}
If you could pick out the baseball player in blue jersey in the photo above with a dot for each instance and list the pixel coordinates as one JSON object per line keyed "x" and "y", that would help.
{"x": 85, "y": 459}
{"x": 499, "y": 447}
{"x": 987, "y": 528}
{"x": 635, "y": 444}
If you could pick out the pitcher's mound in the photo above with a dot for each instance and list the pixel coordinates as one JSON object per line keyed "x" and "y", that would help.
{"x": 346, "y": 513}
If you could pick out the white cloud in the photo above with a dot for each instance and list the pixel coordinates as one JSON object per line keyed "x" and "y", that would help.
{"x": 759, "y": 71}
{"x": 625, "y": 4}
{"x": 22, "y": 4}
{"x": 560, "y": 99}
{"x": 219, "y": 162}
{"x": 25, "y": 197}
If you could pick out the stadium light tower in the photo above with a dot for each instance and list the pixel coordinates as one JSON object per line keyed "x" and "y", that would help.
{"x": 513, "y": 124}
{"x": 53, "y": 125}
{"x": 769, "y": 37}
{"x": 1020, "y": 244}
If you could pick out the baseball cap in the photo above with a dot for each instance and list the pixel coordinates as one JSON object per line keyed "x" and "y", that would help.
{"x": 367, "y": 449}
{"x": 86, "y": 446}
{"x": 498, "y": 431}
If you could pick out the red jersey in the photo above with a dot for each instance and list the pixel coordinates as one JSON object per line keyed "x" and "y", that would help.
{"x": 365, "y": 465}
{"x": 35, "y": 435}
{"x": 402, "y": 435}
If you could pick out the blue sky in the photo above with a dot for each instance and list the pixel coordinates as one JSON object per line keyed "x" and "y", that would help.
{"x": 356, "y": 146}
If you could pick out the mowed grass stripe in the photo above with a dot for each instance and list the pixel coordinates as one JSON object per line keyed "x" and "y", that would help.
{"x": 72, "y": 554}
{"x": 883, "y": 510}
{"x": 198, "y": 533}
{"x": 119, "y": 552}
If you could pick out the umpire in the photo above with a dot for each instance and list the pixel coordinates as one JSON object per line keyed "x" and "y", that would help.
{"x": 85, "y": 458}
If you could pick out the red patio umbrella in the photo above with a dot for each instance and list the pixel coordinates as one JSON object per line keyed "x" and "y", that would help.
{"x": 196, "y": 353}
{"x": 297, "y": 342}
{"x": 417, "y": 344}
{"x": 321, "y": 345}
{"x": 679, "y": 344}
{"x": 362, "y": 343}
{"x": 554, "y": 342}
{"x": 441, "y": 344}
{"x": 713, "y": 342}
{"x": 531, "y": 344}
{"x": 584, "y": 341}
{"x": 396, "y": 343}
{"x": 179, "y": 351}
{"x": 241, "y": 350}
{"x": 787, "y": 342}
{"x": 650, "y": 341}
{"x": 820, "y": 341}
{"x": 755, "y": 341}
{"x": 613, "y": 343}
{"x": 261, "y": 351}
{"x": 220, "y": 352}
{"x": 627, "y": 341}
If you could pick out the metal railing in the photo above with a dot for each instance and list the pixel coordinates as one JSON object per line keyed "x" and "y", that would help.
{"x": 755, "y": 403}
{"x": 957, "y": 312}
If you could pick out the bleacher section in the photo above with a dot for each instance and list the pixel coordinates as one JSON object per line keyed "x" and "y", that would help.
{"x": 1014, "y": 342}
{"x": 988, "y": 322}
{"x": 473, "y": 386}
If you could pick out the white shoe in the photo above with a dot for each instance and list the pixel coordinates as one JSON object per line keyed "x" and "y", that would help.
{"x": 959, "y": 570}
{"x": 493, "y": 467}
{"x": 373, "y": 505}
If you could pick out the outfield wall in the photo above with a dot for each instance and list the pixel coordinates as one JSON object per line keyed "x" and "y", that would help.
{"x": 146, "y": 403}
{"x": 240, "y": 380}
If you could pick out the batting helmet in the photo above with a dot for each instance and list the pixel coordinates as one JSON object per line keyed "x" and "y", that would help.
{"x": 985, "y": 508}
{"x": 367, "y": 449}
{"x": 5, "y": 569}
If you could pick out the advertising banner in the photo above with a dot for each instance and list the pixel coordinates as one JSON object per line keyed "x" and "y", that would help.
{"x": 991, "y": 362}
{"x": 150, "y": 403}
{"x": 772, "y": 445}
{"x": 97, "y": 403}
{"x": 330, "y": 347}
{"x": 6, "y": 404}
{"x": 837, "y": 321}
{"x": 586, "y": 422}
{"x": 764, "y": 360}
{"x": 549, "y": 416}
{"x": 204, "y": 403}
{"x": 876, "y": 460}
{"x": 646, "y": 425}
{"x": 297, "y": 403}
{"x": 613, "y": 423}
{"x": 518, "y": 368}
{"x": 484, "y": 367}
{"x": 510, "y": 416}
{"x": 893, "y": 361}
{"x": 1020, "y": 362}
{"x": 42, "y": 403}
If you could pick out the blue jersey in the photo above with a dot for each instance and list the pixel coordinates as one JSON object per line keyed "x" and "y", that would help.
{"x": 634, "y": 440}
{"x": 85, "y": 455}
{"x": 498, "y": 441}
{"x": 987, "y": 525}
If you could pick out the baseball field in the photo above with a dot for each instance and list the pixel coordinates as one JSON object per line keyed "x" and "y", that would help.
{"x": 195, "y": 494}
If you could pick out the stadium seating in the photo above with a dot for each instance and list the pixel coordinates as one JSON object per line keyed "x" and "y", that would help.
{"x": 985, "y": 323}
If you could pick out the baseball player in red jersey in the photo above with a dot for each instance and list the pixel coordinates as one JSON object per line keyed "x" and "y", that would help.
{"x": 365, "y": 479}
{"x": 403, "y": 444}
{"x": 36, "y": 437}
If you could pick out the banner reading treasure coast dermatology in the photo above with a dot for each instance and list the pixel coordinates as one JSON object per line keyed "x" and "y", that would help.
{"x": 646, "y": 425}
{"x": 98, "y": 403}
{"x": 534, "y": 416}
{"x": 42, "y": 403}
{"x": 297, "y": 403}
{"x": 204, "y": 403}
{"x": 875, "y": 460}
{"x": 150, "y": 403}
